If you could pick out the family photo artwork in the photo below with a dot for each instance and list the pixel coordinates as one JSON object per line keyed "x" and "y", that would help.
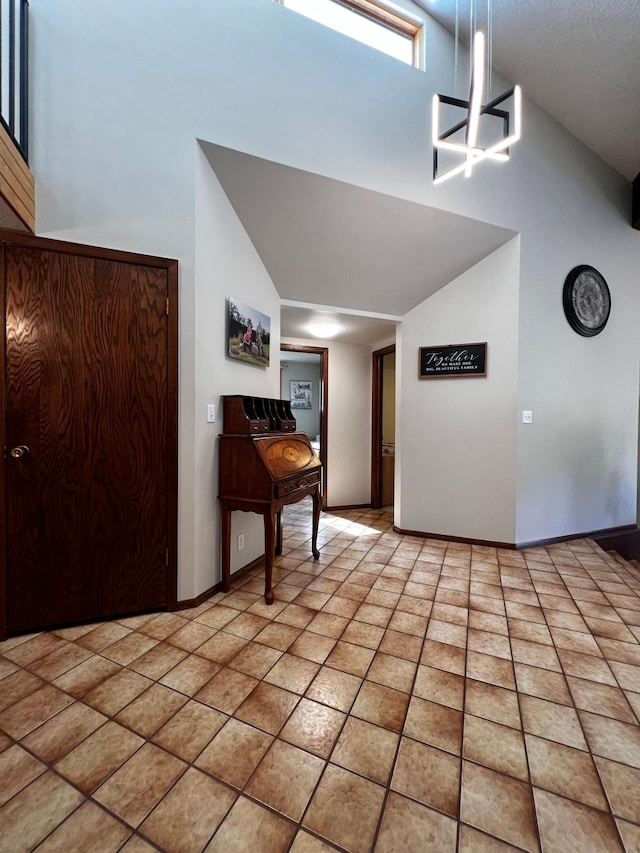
{"x": 300, "y": 393}
{"x": 248, "y": 333}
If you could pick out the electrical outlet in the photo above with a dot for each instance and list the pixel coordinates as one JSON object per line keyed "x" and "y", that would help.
{"x": 240, "y": 541}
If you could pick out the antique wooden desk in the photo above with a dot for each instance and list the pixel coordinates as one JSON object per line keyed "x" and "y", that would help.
{"x": 264, "y": 465}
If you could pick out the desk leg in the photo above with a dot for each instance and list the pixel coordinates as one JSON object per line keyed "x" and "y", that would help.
{"x": 225, "y": 518}
{"x": 316, "y": 521}
{"x": 279, "y": 534}
{"x": 269, "y": 548}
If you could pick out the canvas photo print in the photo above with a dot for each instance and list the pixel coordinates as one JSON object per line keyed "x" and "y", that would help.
{"x": 248, "y": 333}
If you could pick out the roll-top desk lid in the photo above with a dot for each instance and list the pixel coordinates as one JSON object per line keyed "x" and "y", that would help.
{"x": 286, "y": 455}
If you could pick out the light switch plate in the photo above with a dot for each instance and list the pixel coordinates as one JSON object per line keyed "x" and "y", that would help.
{"x": 527, "y": 417}
{"x": 211, "y": 413}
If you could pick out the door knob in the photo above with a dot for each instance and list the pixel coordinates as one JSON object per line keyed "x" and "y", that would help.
{"x": 19, "y": 451}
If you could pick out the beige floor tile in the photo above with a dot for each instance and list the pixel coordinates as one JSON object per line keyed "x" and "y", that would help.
{"x": 34, "y": 649}
{"x": 601, "y": 699}
{"x": 16, "y": 686}
{"x": 349, "y": 658}
{"x": 334, "y": 688}
{"x": 102, "y": 636}
{"x": 491, "y": 669}
{"x": 249, "y": 826}
{"x": 564, "y": 770}
{"x": 366, "y": 749}
{"x": 304, "y": 842}
{"x": 586, "y": 666}
{"x": 622, "y": 786}
{"x": 17, "y": 770}
{"x": 129, "y": 648}
{"x": 186, "y": 818}
{"x": 268, "y": 707}
{"x": 495, "y": 746}
{"x": 235, "y": 752}
{"x": 407, "y": 825}
{"x": 552, "y": 721}
{"x": 64, "y": 731}
{"x": 392, "y": 671}
{"x": 573, "y": 827}
{"x": 313, "y": 727}
{"x": 285, "y": 779}
{"x": 191, "y": 636}
{"x": 157, "y": 660}
{"x": 313, "y": 647}
{"x": 113, "y": 694}
{"x": 190, "y": 730}
{"x": 630, "y": 834}
{"x": 223, "y": 647}
{"x": 35, "y": 811}
{"x": 533, "y": 632}
{"x": 444, "y": 687}
{"x": 498, "y": 805}
{"x": 255, "y": 660}
{"x": 151, "y": 710}
{"x": 474, "y": 841}
{"x": 612, "y": 739}
{"x": 162, "y": 625}
{"x": 381, "y": 705}
{"x": 96, "y": 758}
{"x": 294, "y": 614}
{"x": 190, "y": 675}
{"x": 88, "y": 674}
{"x": 401, "y": 645}
{"x": 62, "y": 659}
{"x": 542, "y": 683}
{"x": 139, "y": 784}
{"x": 492, "y": 703}
{"x": 345, "y": 809}
{"x": 292, "y": 673}
{"x": 35, "y": 709}
{"x": 87, "y": 830}
{"x": 227, "y": 690}
{"x": 437, "y": 725}
{"x": 428, "y": 775}
{"x": 444, "y": 656}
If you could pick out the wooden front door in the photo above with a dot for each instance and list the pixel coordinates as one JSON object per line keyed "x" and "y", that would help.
{"x": 90, "y": 466}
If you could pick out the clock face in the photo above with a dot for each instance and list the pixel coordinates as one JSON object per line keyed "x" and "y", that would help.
{"x": 586, "y": 300}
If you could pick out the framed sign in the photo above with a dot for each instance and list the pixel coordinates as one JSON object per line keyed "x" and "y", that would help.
{"x": 452, "y": 361}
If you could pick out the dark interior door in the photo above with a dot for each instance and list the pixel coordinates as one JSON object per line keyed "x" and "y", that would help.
{"x": 90, "y": 435}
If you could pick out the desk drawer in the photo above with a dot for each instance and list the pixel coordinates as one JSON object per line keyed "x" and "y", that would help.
{"x": 284, "y": 489}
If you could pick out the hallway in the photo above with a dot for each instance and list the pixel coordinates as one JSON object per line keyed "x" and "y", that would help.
{"x": 401, "y": 694}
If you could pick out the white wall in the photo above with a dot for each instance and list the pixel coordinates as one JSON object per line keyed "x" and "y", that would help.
{"x": 456, "y": 445}
{"x": 307, "y": 420}
{"x": 348, "y": 480}
{"x": 226, "y": 265}
{"x": 121, "y": 91}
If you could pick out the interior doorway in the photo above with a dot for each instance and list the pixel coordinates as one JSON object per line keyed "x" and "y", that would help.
{"x": 313, "y": 420}
{"x": 383, "y": 427}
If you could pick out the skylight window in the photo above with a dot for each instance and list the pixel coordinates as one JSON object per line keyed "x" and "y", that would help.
{"x": 368, "y": 22}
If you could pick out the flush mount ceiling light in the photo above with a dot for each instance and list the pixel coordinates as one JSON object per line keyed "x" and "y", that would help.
{"x": 324, "y": 330}
{"x": 472, "y": 152}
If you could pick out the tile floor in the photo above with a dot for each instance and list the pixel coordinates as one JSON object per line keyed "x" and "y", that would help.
{"x": 401, "y": 694}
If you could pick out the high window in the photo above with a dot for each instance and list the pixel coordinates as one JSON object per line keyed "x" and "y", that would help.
{"x": 369, "y": 22}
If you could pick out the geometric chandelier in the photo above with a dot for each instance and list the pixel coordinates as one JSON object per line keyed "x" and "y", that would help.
{"x": 462, "y": 138}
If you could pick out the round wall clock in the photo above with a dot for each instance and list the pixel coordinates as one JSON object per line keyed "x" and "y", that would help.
{"x": 586, "y": 300}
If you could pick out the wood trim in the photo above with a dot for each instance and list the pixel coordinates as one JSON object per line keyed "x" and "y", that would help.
{"x": 519, "y": 546}
{"x": 17, "y": 184}
{"x": 323, "y": 352}
{"x": 17, "y": 239}
{"x": 347, "y": 506}
{"x": 423, "y": 535}
{"x": 172, "y": 433}
{"x": 377, "y": 373}
{"x": 187, "y": 603}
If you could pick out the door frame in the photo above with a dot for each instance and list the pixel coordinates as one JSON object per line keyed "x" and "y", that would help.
{"x": 377, "y": 368}
{"x": 13, "y": 238}
{"x": 324, "y": 404}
